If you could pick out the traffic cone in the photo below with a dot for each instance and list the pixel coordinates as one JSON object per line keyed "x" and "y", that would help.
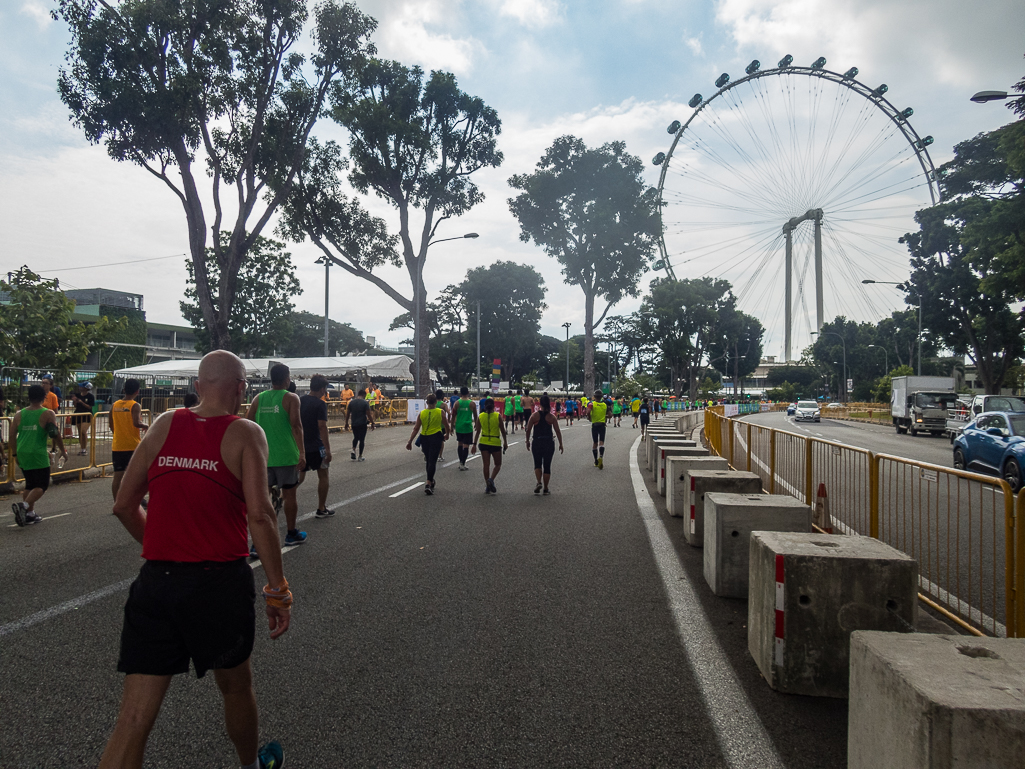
{"x": 821, "y": 517}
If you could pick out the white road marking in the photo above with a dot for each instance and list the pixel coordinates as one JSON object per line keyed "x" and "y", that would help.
{"x": 103, "y": 592}
{"x": 44, "y": 518}
{"x": 739, "y": 731}
{"x": 404, "y": 491}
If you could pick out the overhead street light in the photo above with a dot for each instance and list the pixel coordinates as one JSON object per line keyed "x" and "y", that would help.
{"x": 416, "y": 315}
{"x": 906, "y": 287}
{"x": 327, "y": 277}
{"x": 566, "y": 326}
{"x": 984, "y": 96}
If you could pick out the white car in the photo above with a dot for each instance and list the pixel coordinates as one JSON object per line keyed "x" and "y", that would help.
{"x": 807, "y": 410}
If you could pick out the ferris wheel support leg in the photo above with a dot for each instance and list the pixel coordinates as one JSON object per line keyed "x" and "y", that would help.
{"x": 818, "y": 270}
{"x": 788, "y": 301}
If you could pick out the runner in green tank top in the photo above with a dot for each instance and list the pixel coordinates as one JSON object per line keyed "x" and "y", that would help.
{"x": 518, "y": 416}
{"x": 30, "y": 430}
{"x": 277, "y": 412}
{"x": 510, "y": 411}
{"x": 465, "y": 423}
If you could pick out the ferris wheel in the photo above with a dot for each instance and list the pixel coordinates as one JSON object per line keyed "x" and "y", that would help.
{"x": 791, "y": 175}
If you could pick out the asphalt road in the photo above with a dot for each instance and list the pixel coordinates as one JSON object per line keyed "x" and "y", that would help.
{"x": 453, "y": 630}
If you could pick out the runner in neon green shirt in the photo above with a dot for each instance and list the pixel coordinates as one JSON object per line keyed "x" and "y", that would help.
{"x": 465, "y": 411}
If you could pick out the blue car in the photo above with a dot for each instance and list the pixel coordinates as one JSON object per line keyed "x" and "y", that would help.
{"x": 993, "y": 444}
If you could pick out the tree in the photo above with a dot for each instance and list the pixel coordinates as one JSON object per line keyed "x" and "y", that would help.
{"x": 884, "y": 385}
{"x": 681, "y": 318}
{"x": 785, "y": 391}
{"x": 261, "y": 313}
{"x": 959, "y": 256}
{"x": 591, "y": 210}
{"x": 414, "y": 143}
{"x": 36, "y": 330}
{"x": 736, "y": 348}
{"x": 512, "y": 301}
{"x": 306, "y": 337}
{"x": 158, "y": 82}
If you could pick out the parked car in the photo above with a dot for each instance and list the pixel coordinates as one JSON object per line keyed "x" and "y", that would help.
{"x": 807, "y": 410}
{"x": 964, "y": 410}
{"x": 832, "y": 406}
{"x": 993, "y": 444}
{"x": 791, "y": 408}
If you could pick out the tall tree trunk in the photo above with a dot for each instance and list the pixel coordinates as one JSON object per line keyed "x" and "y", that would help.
{"x": 589, "y": 344}
{"x": 423, "y": 376}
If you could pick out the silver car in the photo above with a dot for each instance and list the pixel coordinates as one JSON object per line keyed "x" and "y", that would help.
{"x": 807, "y": 410}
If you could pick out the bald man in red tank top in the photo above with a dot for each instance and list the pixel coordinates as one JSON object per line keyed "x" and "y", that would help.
{"x": 193, "y": 601}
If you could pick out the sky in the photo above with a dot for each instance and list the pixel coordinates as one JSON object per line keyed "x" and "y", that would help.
{"x": 602, "y": 70}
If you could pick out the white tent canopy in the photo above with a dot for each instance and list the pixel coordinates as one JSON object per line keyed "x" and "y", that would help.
{"x": 376, "y": 367}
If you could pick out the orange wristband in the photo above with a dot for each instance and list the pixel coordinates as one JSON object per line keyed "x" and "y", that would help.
{"x": 279, "y": 597}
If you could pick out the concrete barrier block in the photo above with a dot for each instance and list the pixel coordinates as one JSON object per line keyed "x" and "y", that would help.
{"x": 729, "y": 521}
{"x": 673, "y": 439}
{"x": 699, "y": 483}
{"x": 922, "y": 701}
{"x": 678, "y": 485}
{"x": 808, "y": 592}
{"x": 673, "y": 450}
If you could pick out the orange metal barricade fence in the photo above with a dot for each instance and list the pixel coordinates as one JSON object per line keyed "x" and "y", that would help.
{"x": 966, "y": 531}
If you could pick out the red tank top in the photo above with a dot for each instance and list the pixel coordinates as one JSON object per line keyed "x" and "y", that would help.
{"x": 197, "y": 510}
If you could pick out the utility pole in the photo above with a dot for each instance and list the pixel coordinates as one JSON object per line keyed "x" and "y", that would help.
{"x": 327, "y": 297}
{"x": 478, "y": 345}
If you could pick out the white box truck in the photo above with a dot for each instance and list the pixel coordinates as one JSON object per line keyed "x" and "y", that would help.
{"x": 920, "y": 403}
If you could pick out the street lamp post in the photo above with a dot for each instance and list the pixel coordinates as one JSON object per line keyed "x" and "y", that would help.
{"x": 566, "y": 383}
{"x": 416, "y": 314}
{"x": 885, "y": 353}
{"x": 844, "y": 343}
{"x": 906, "y": 287}
{"x": 478, "y": 345}
{"x": 984, "y": 96}
{"x": 327, "y": 278}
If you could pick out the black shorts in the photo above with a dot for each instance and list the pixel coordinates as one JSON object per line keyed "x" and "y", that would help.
{"x": 177, "y": 612}
{"x": 509, "y": 418}
{"x": 489, "y": 449}
{"x": 37, "y": 479}
{"x": 120, "y": 459}
{"x": 524, "y": 415}
{"x": 81, "y": 418}
{"x": 645, "y": 420}
{"x": 465, "y": 438}
{"x": 314, "y": 458}
{"x": 598, "y": 432}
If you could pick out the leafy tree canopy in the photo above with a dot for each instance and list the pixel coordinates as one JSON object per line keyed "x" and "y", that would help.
{"x": 591, "y": 210}
{"x": 36, "y": 329}
{"x": 261, "y": 315}
{"x": 414, "y": 141}
{"x": 306, "y": 337}
{"x": 160, "y": 82}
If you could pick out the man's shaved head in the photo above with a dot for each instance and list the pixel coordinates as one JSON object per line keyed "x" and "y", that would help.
{"x": 220, "y": 367}
{"x": 220, "y": 374}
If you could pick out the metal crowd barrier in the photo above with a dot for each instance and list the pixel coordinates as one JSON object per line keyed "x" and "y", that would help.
{"x": 965, "y": 530}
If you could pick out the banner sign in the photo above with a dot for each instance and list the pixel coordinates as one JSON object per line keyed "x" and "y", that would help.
{"x": 496, "y": 375}
{"x": 413, "y": 408}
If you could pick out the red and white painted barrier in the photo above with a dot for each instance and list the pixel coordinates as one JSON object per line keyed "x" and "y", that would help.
{"x": 780, "y": 614}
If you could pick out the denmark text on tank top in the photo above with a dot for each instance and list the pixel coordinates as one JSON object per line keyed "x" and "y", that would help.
{"x": 197, "y": 509}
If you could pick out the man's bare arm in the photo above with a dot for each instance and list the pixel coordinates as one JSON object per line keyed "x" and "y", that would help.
{"x": 135, "y": 482}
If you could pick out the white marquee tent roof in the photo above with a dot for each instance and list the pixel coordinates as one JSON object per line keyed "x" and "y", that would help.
{"x": 377, "y": 367}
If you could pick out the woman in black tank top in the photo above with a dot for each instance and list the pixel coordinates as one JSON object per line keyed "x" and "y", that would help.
{"x": 540, "y": 427}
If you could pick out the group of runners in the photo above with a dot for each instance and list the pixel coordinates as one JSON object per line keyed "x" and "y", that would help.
{"x": 215, "y": 483}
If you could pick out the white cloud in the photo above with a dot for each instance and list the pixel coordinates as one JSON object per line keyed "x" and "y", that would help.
{"x": 947, "y": 42}
{"x": 531, "y": 13}
{"x": 407, "y": 33}
{"x": 38, "y": 11}
{"x": 694, "y": 44}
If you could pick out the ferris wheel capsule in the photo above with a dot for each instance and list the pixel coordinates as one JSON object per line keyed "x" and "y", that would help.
{"x": 673, "y": 127}
{"x": 695, "y": 100}
{"x": 786, "y": 61}
{"x": 753, "y": 67}
{"x": 819, "y": 63}
{"x": 722, "y": 80}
